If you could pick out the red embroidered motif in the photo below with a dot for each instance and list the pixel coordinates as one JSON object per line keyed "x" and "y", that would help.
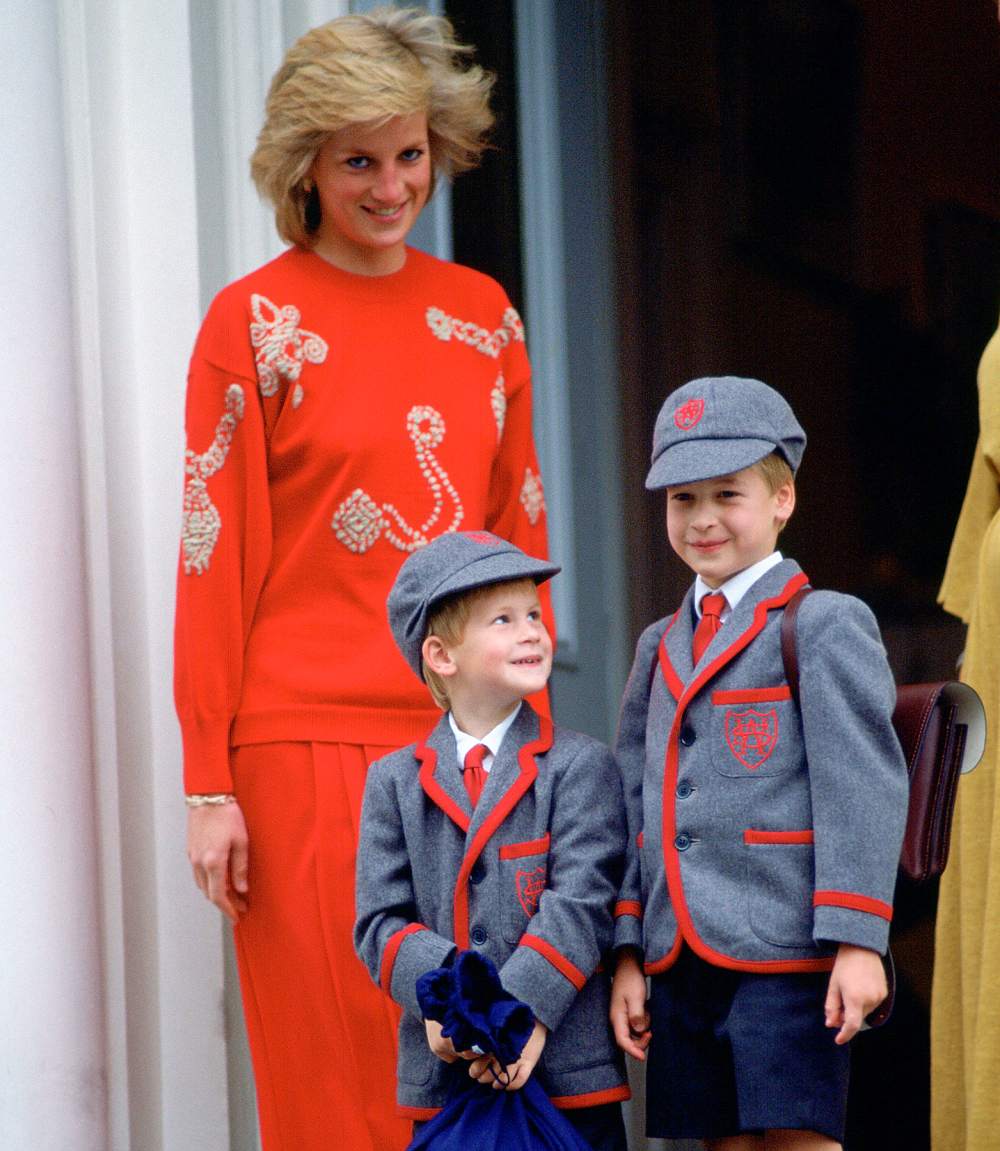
{"x": 530, "y": 885}
{"x": 751, "y": 735}
{"x": 687, "y": 415}
{"x": 481, "y": 538}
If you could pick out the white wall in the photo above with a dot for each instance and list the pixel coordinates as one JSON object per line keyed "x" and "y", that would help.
{"x": 52, "y": 1062}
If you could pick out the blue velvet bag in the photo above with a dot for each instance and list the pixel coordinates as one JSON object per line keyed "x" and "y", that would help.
{"x": 476, "y": 1014}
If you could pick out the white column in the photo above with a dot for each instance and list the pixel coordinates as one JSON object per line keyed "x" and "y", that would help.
{"x": 52, "y": 1069}
{"x": 126, "y": 69}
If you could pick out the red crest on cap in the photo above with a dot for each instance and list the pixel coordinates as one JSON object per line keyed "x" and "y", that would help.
{"x": 687, "y": 415}
{"x": 481, "y": 538}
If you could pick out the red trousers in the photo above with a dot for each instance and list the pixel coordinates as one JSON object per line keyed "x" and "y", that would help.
{"x": 322, "y": 1035}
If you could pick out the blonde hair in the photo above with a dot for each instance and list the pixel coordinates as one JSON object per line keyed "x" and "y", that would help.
{"x": 775, "y": 471}
{"x": 366, "y": 69}
{"x": 448, "y": 620}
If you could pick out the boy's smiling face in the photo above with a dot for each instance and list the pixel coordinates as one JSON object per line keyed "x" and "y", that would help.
{"x": 723, "y": 525}
{"x": 505, "y": 653}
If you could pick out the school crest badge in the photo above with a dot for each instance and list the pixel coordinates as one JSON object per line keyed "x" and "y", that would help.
{"x": 751, "y": 735}
{"x": 530, "y": 885}
{"x": 687, "y": 415}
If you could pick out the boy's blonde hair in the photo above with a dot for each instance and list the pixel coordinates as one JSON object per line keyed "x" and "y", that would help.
{"x": 448, "y": 620}
{"x": 775, "y": 472}
{"x": 366, "y": 69}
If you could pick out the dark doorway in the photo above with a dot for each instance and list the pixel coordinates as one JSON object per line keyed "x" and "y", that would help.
{"x": 807, "y": 194}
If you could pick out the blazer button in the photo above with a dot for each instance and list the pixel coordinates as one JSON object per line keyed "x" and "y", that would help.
{"x": 682, "y": 842}
{"x": 687, "y": 736}
{"x": 478, "y": 872}
{"x": 479, "y": 935}
{"x": 684, "y": 789}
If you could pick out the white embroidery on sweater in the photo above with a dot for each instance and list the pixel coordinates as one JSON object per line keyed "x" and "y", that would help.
{"x": 532, "y": 496}
{"x": 491, "y": 344}
{"x": 360, "y": 521}
{"x": 498, "y": 401}
{"x": 282, "y": 346}
{"x": 201, "y": 521}
{"x": 297, "y": 396}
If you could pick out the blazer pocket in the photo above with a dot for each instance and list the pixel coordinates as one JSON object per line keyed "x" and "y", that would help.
{"x": 416, "y": 1063}
{"x": 757, "y": 731}
{"x": 524, "y": 869}
{"x": 780, "y": 883}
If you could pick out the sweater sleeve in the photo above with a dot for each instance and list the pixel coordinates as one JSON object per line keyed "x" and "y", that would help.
{"x": 857, "y": 774}
{"x": 982, "y": 497}
{"x": 225, "y": 543}
{"x": 517, "y": 510}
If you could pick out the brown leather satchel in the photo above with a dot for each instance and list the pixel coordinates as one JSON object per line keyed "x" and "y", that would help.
{"x": 942, "y": 731}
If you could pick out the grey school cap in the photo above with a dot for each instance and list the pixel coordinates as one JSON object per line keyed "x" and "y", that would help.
{"x": 719, "y": 425}
{"x": 452, "y": 563}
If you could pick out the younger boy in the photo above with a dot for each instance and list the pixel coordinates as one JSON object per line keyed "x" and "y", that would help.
{"x": 498, "y": 832}
{"x": 764, "y": 832}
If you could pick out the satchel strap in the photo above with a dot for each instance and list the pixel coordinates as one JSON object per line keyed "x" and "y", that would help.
{"x": 789, "y": 647}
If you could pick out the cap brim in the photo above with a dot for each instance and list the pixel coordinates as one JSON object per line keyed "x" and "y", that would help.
{"x": 493, "y": 569}
{"x": 695, "y": 460}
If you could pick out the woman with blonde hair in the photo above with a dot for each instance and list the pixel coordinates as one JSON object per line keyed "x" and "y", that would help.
{"x": 347, "y": 402}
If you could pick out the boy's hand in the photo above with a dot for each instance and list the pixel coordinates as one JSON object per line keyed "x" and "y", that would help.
{"x": 487, "y": 1070}
{"x": 629, "y": 1017}
{"x": 442, "y": 1048}
{"x": 857, "y": 987}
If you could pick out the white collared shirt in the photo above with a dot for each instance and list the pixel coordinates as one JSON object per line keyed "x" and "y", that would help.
{"x": 465, "y": 742}
{"x": 736, "y": 587}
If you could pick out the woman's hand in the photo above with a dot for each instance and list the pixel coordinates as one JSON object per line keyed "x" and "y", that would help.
{"x": 629, "y": 1017}
{"x": 217, "y": 846}
{"x": 488, "y": 1071}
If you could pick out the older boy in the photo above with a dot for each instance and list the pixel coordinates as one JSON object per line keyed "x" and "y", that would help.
{"x": 764, "y": 832}
{"x": 498, "y": 832}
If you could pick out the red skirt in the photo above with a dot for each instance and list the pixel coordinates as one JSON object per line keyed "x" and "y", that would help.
{"x": 322, "y": 1035}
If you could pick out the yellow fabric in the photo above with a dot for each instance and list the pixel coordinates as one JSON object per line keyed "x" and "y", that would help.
{"x": 965, "y": 1010}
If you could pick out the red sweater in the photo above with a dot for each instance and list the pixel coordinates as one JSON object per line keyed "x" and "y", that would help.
{"x": 335, "y": 422}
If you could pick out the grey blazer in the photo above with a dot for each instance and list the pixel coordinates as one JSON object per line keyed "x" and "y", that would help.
{"x": 760, "y": 832}
{"x": 529, "y": 879}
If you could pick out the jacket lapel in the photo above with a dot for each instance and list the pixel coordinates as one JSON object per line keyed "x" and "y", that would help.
{"x": 440, "y": 776}
{"x": 506, "y": 782}
{"x": 772, "y": 590}
{"x": 514, "y": 771}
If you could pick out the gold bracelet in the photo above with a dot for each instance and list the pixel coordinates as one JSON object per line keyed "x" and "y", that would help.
{"x": 215, "y": 800}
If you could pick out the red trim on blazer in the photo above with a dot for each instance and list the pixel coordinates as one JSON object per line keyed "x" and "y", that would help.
{"x": 418, "y": 1113}
{"x": 671, "y": 856}
{"x": 497, "y": 814}
{"x": 753, "y": 695}
{"x": 531, "y": 847}
{"x": 628, "y": 907}
{"x": 640, "y": 839}
{"x": 559, "y": 962}
{"x": 591, "y": 1098}
{"x": 427, "y": 758}
{"x": 673, "y": 680}
{"x": 854, "y": 902}
{"x": 667, "y": 960}
{"x": 753, "y": 836}
{"x": 392, "y": 950}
